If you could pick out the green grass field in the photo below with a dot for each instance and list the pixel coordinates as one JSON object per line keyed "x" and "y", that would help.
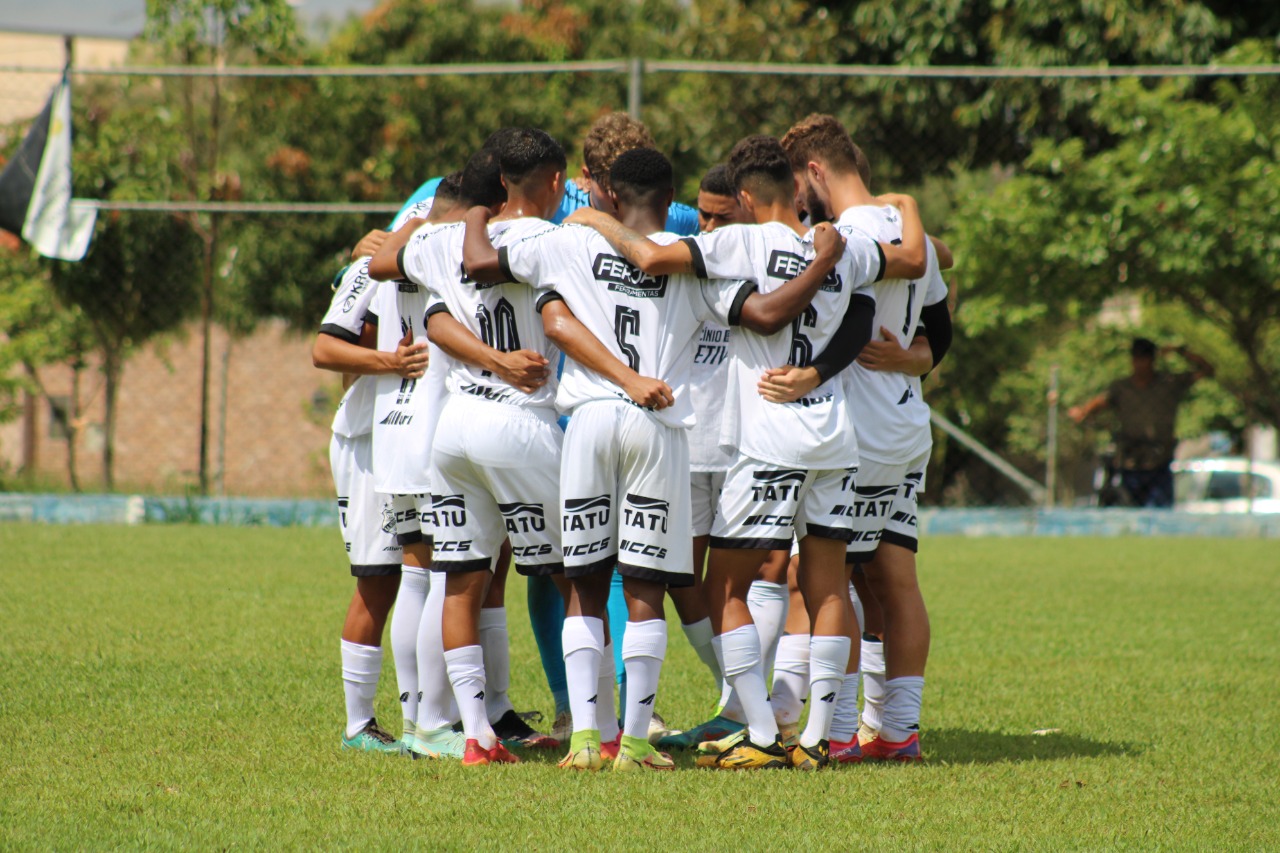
{"x": 178, "y": 687}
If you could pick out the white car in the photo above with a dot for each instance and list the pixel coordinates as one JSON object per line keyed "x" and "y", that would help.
{"x": 1227, "y": 484}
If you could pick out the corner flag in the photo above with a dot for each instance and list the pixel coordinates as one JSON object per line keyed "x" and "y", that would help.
{"x": 35, "y": 186}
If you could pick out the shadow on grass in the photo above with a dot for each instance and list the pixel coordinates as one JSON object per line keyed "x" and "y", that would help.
{"x": 949, "y": 746}
{"x": 965, "y": 746}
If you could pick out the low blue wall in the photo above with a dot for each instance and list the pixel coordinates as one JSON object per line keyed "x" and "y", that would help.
{"x": 265, "y": 512}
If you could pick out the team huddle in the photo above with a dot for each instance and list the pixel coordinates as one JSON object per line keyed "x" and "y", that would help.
{"x": 612, "y": 402}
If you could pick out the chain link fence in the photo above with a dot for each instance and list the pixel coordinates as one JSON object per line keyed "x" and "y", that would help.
{"x": 176, "y": 356}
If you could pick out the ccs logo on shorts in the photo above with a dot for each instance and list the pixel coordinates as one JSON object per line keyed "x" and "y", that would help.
{"x": 645, "y": 513}
{"x": 776, "y": 485}
{"x": 587, "y": 513}
{"x": 447, "y": 511}
{"x": 523, "y": 517}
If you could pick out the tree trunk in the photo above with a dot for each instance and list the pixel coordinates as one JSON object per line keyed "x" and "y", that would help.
{"x": 111, "y": 367}
{"x": 73, "y": 428}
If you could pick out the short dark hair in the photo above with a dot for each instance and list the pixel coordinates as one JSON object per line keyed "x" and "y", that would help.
{"x": 496, "y": 139}
{"x": 1143, "y": 347}
{"x": 527, "y": 150}
{"x": 820, "y": 136}
{"x": 641, "y": 176}
{"x": 450, "y": 187}
{"x": 716, "y": 181}
{"x": 759, "y": 165}
{"x": 481, "y": 182}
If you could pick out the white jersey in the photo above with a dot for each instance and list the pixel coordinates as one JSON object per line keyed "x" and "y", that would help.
{"x": 816, "y": 431}
{"x": 504, "y": 316}
{"x": 708, "y": 384}
{"x": 405, "y": 410}
{"x": 889, "y": 408}
{"x": 650, "y": 324}
{"x": 345, "y": 320}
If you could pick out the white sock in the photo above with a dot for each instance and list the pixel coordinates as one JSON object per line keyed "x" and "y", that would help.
{"x": 828, "y": 659}
{"x": 844, "y": 725}
{"x": 436, "y": 707}
{"x": 768, "y": 603}
{"x": 644, "y": 648}
{"x": 857, "y": 606}
{"x": 741, "y": 660}
{"x": 405, "y": 619}
{"x": 729, "y": 708}
{"x": 699, "y": 634}
{"x": 497, "y": 661}
{"x": 790, "y": 678}
{"x": 583, "y": 640}
{"x": 606, "y": 705}
{"x": 873, "y": 690}
{"x": 361, "y": 666}
{"x": 466, "y": 675}
{"x": 902, "y": 707}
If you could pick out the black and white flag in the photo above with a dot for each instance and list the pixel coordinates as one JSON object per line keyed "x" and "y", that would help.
{"x": 35, "y": 186}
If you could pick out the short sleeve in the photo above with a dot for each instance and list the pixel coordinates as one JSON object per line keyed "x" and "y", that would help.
{"x": 725, "y": 253}
{"x": 413, "y": 260}
{"x": 864, "y": 259}
{"x": 935, "y": 289}
{"x": 350, "y": 303}
{"x": 535, "y": 258}
{"x": 723, "y": 300}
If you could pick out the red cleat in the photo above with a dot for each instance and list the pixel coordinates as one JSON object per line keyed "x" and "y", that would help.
{"x": 498, "y": 755}
{"x": 880, "y": 749}
{"x": 849, "y": 752}
{"x": 609, "y": 751}
{"x": 475, "y": 755}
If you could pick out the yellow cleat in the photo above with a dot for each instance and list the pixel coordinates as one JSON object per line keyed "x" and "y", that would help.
{"x": 745, "y": 755}
{"x": 810, "y": 757}
{"x": 586, "y": 758}
{"x": 715, "y": 747}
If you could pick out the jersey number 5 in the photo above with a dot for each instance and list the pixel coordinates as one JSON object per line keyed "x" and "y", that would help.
{"x": 626, "y": 322}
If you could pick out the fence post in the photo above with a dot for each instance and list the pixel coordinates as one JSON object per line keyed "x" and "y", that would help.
{"x": 635, "y": 79}
{"x": 1051, "y": 440}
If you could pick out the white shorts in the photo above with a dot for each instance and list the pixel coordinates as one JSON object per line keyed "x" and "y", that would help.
{"x": 365, "y": 517}
{"x": 408, "y": 510}
{"x": 496, "y": 474}
{"x": 884, "y": 506}
{"x": 763, "y": 505}
{"x": 704, "y": 491}
{"x": 624, "y": 482}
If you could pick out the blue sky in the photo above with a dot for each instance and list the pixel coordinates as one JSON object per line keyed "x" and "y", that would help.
{"x": 124, "y": 18}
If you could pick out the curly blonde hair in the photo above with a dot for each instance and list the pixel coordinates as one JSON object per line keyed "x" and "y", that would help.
{"x": 611, "y": 135}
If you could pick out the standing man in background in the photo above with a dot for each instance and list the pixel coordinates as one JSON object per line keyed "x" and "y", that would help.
{"x": 1145, "y": 404}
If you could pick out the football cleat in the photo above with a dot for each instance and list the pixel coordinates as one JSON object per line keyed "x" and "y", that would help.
{"x": 810, "y": 757}
{"x": 474, "y": 755}
{"x": 641, "y": 756}
{"x": 609, "y": 748}
{"x": 745, "y": 755}
{"x": 512, "y": 729}
{"x": 789, "y": 734}
{"x": 715, "y": 747}
{"x": 586, "y": 758}
{"x": 866, "y": 734}
{"x": 846, "y": 752}
{"x": 498, "y": 755}
{"x": 714, "y": 729}
{"x": 880, "y": 749}
{"x": 371, "y": 738}
{"x": 658, "y": 728}
{"x": 562, "y": 728}
{"x": 440, "y": 743}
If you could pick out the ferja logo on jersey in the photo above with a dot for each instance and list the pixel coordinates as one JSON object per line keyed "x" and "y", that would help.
{"x": 628, "y": 280}
{"x": 788, "y": 265}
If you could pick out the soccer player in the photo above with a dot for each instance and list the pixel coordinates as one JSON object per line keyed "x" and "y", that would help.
{"x": 893, "y": 432}
{"x": 624, "y": 481}
{"x": 365, "y": 517}
{"x": 795, "y": 463}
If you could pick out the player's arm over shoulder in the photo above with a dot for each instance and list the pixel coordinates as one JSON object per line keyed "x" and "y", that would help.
{"x": 641, "y": 252}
